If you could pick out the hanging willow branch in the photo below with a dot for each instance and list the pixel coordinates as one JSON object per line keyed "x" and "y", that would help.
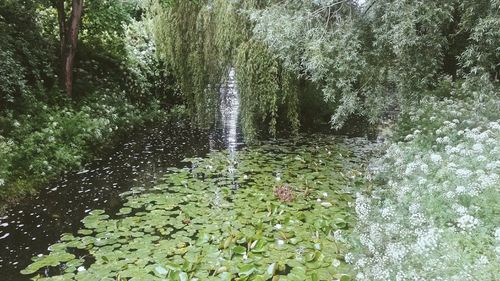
{"x": 202, "y": 41}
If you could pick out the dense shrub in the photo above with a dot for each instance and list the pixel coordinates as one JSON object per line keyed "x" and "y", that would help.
{"x": 26, "y": 56}
{"x": 5, "y": 156}
{"x": 434, "y": 212}
{"x": 119, "y": 83}
{"x": 58, "y": 139}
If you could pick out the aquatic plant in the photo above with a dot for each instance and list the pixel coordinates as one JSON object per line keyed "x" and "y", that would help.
{"x": 284, "y": 193}
{"x": 192, "y": 228}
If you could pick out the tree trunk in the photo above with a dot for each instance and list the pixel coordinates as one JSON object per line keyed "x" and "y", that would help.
{"x": 71, "y": 42}
{"x": 68, "y": 36}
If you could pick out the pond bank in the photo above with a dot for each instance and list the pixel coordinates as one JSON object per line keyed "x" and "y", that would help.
{"x": 39, "y": 146}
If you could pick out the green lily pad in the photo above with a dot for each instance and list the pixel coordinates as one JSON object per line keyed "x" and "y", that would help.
{"x": 197, "y": 226}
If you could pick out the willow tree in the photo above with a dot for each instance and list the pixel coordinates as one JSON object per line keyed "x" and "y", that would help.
{"x": 267, "y": 89}
{"x": 384, "y": 54}
{"x": 202, "y": 40}
{"x": 366, "y": 59}
{"x": 182, "y": 30}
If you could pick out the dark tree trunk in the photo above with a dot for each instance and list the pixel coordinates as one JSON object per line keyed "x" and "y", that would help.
{"x": 71, "y": 44}
{"x": 68, "y": 36}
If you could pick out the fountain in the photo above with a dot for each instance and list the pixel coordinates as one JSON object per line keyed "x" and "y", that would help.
{"x": 229, "y": 108}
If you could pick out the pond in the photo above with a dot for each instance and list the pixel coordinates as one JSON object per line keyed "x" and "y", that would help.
{"x": 28, "y": 228}
{"x": 280, "y": 209}
{"x": 174, "y": 203}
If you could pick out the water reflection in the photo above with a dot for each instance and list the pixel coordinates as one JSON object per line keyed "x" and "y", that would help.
{"x": 27, "y": 229}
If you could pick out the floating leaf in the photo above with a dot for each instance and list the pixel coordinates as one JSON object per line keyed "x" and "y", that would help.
{"x": 200, "y": 227}
{"x": 239, "y": 250}
{"x": 161, "y": 270}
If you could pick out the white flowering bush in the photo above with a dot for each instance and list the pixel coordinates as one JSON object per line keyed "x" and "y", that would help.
{"x": 141, "y": 56}
{"x": 434, "y": 213}
{"x": 5, "y": 156}
{"x": 38, "y": 148}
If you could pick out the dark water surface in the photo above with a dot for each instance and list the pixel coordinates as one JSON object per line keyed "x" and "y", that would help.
{"x": 27, "y": 229}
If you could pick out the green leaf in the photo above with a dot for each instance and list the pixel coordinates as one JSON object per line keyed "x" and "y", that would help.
{"x": 240, "y": 250}
{"x": 161, "y": 270}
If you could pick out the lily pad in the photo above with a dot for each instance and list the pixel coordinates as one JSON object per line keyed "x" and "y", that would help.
{"x": 224, "y": 225}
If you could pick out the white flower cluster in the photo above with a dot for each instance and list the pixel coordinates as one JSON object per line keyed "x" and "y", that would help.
{"x": 436, "y": 216}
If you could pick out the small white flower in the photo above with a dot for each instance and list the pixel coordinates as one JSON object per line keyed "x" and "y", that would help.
{"x": 483, "y": 260}
{"x": 463, "y": 173}
{"x": 349, "y": 258}
{"x": 477, "y": 147}
{"x": 497, "y": 234}
{"x": 326, "y": 204}
{"x": 337, "y": 235}
{"x": 426, "y": 241}
{"x": 409, "y": 137}
{"x": 436, "y": 158}
{"x": 81, "y": 268}
{"x": 467, "y": 222}
{"x": 461, "y": 189}
{"x": 396, "y": 252}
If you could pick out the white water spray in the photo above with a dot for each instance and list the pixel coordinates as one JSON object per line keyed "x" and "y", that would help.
{"x": 229, "y": 108}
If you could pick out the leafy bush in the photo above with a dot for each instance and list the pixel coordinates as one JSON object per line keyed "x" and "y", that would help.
{"x": 5, "y": 156}
{"x": 25, "y": 55}
{"x": 434, "y": 213}
{"x": 58, "y": 139}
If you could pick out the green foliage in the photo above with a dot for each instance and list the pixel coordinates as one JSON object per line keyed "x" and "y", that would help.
{"x": 482, "y": 54}
{"x": 366, "y": 60}
{"x": 103, "y": 25}
{"x": 195, "y": 226}
{"x": 25, "y": 55}
{"x": 179, "y": 29}
{"x": 5, "y": 159}
{"x": 313, "y": 44}
{"x": 119, "y": 83}
{"x": 265, "y": 89}
{"x": 382, "y": 55}
{"x": 103, "y": 58}
{"x": 147, "y": 77}
{"x": 433, "y": 212}
{"x": 57, "y": 139}
{"x": 202, "y": 40}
